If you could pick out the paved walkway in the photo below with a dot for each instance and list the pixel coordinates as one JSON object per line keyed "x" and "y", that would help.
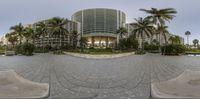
{"x": 77, "y": 78}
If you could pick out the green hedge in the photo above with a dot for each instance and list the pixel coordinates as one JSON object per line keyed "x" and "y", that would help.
{"x": 25, "y": 49}
{"x": 173, "y": 49}
{"x": 151, "y": 47}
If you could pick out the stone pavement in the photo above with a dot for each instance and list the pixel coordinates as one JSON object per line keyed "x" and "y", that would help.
{"x": 78, "y": 78}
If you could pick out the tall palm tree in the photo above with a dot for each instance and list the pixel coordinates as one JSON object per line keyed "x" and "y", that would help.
{"x": 19, "y": 30}
{"x": 188, "y": 33}
{"x": 74, "y": 38}
{"x": 122, "y": 31}
{"x": 57, "y": 26}
{"x": 162, "y": 30}
{"x": 142, "y": 28}
{"x": 42, "y": 30}
{"x": 159, "y": 16}
{"x": 83, "y": 43}
{"x": 175, "y": 39}
{"x": 196, "y": 42}
{"x": 28, "y": 33}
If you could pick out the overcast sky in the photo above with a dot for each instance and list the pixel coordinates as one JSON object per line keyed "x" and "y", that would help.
{"x": 13, "y": 12}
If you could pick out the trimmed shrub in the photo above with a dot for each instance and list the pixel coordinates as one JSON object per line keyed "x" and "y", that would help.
{"x": 151, "y": 47}
{"x": 28, "y": 49}
{"x": 128, "y": 43}
{"x": 18, "y": 49}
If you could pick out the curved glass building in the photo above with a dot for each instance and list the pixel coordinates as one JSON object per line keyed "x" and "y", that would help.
{"x": 99, "y": 25}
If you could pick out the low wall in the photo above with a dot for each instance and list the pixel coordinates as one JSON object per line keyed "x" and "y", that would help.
{"x": 9, "y": 53}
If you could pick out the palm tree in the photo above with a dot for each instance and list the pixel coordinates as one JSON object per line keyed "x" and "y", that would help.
{"x": 188, "y": 33}
{"x": 143, "y": 27}
{"x": 162, "y": 30}
{"x": 57, "y": 26}
{"x": 196, "y": 42}
{"x": 175, "y": 39}
{"x": 83, "y": 43}
{"x": 19, "y": 30}
{"x": 159, "y": 16}
{"x": 74, "y": 38}
{"x": 122, "y": 31}
{"x": 28, "y": 33}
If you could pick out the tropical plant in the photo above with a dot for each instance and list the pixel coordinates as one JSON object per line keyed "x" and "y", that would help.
{"x": 174, "y": 49}
{"x": 83, "y": 42}
{"x": 19, "y": 30}
{"x": 41, "y": 30}
{"x": 57, "y": 27}
{"x": 128, "y": 43}
{"x": 162, "y": 30}
{"x": 175, "y": 39}
{"x": 74, "y": 38}
{"x": 142, "y": 28}
{"x": 28, "y": 33}
{"x": 159, "y": 16}
{"x": 122, "y": 32}
{"x": 196, "y": 42}
{"x": 188, "y": 33}
{"x": 28, "y": 49}
{"x": 155, "y": 42}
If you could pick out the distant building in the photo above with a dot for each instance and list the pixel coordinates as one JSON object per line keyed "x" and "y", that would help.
{"x": 56, "y": 40}
{"x": 3, "y": 41}
{"x": 159, "y": 38}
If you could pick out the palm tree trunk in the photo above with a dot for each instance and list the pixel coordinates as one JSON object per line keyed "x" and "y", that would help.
{"x": 142, "y": 42}
{"x": 188, "y": 44}
{"x": 60, "y": 40}
{"x": 43, "y": 43}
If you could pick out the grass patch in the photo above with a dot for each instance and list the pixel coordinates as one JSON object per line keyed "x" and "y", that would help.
{"x": 193, "y": 51}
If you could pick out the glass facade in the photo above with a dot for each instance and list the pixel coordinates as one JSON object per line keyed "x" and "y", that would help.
{"x": 100, "y": 20}
{"x": 100, "y": 23}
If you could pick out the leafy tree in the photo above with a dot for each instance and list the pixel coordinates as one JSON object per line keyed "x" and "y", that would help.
{"x": 12, "y": 38}
{"x": 19, "y": 30}
{"x": 128, "y": 43}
